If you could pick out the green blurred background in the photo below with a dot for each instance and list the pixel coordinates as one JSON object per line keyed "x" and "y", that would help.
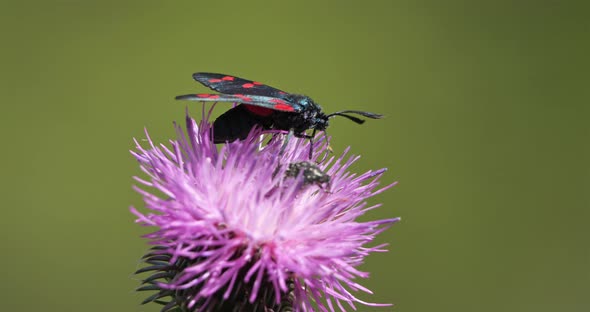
{"x": 487, "y": 131}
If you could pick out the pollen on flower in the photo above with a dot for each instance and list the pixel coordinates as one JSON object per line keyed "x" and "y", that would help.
{"x": 234, "y": 229}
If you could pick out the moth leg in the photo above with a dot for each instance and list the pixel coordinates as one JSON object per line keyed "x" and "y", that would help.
{"x": 311, "y": 143}
{"x": 310, "y": 137}
{"x": 286, "y": 141}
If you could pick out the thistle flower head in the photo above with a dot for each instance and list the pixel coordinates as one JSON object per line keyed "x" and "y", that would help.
{"x": 234, "y": 231}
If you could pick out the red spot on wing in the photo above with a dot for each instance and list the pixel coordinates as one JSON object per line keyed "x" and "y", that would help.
{"x": 208, "y": 96}
{"x": 248, "y": 85}
{"x": 257, "y": 83}
{"x": 259, "y": 110}
{"x": 277, "y": 101}
{"x": 282, "y": 92}
{"x": 214, "y": 80}
{"x": 282, "y": 105}
{"x": 228, "y": 78}
{"x": 243, "y": 97}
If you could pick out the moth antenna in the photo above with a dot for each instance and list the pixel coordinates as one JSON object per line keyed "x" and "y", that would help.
{"x": 365, "y": 114}
{"x": 356, "y": 119}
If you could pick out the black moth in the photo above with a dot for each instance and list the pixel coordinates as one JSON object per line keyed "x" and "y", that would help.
{"x": 264, "y": 106}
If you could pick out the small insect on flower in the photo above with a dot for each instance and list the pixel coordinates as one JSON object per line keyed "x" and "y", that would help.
{"x": 266, "y": 107}
{"x": 310, "y": 172}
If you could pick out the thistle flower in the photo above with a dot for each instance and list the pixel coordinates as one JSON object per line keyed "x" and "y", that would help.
{"x": 235, "y": 233}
